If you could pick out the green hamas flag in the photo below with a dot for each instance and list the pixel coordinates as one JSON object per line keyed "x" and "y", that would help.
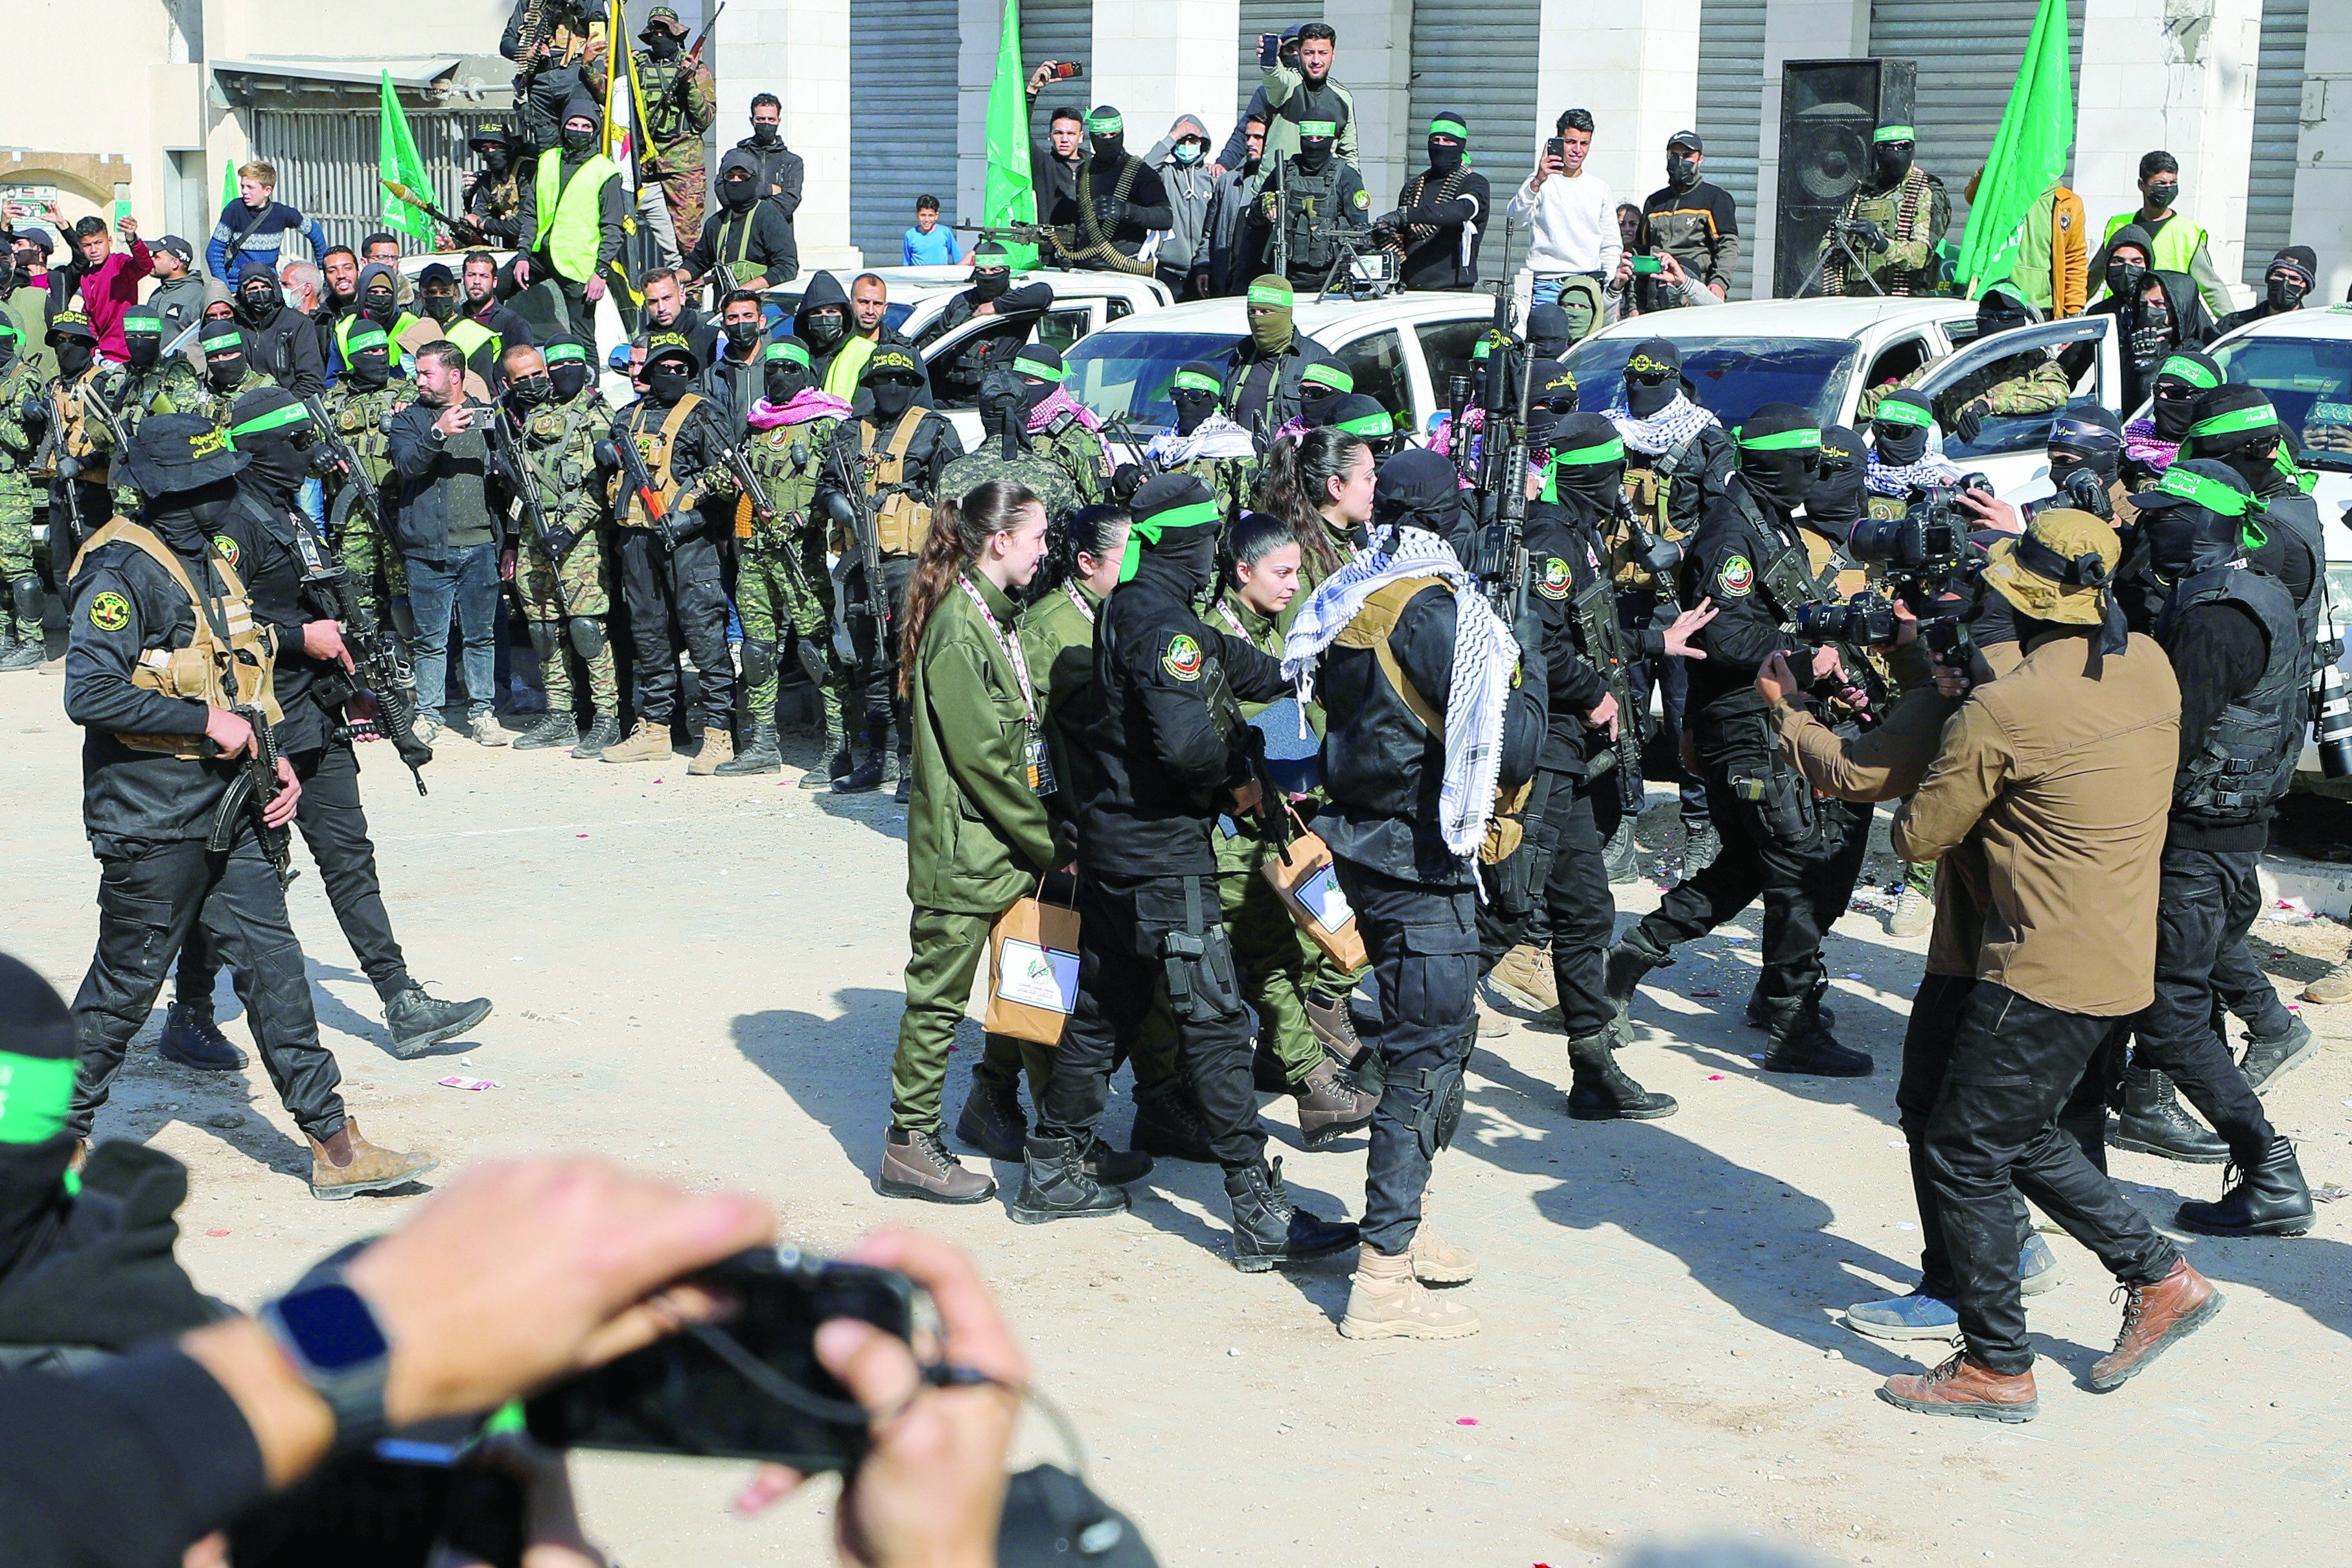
{"x": 1009, "y": 197}
{"x": 2029, "y": 154}
{"x": 396, "y": 162}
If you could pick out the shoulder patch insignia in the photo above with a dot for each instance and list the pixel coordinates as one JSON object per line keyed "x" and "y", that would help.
{"x": 109, "y": 611}
{"x": 225, "y": 547}
{"x": 1183, "y": 657}
{"x": 1553, "y": 583}
{"x": 2065, "y": 218}
{"x": 1737, "y": 578}
{"x": 1364, "y": 200}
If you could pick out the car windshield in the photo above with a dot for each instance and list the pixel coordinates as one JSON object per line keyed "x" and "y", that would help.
{"x": 1735, "y": 376}
{"x": 1129, "y": 373}
{"x": 2309, "y": 382}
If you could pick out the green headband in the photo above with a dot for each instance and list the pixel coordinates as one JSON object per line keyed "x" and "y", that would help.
{"x": 9, "y": 330}
{"x": 1193, "y": 381}
{"x": 1901, "y": 411}
{"x": 276, "y": 419}
{"x": 223, "y": 342}
{"x": 1037, "y": 368}
{"x": 2182, "y": 368}
{"x": 2211, "y": 494}
{"x": 1104, "y": 125}
{"x": 1147, "y": 530}
{"x": 1893, "y": 133}
{"x": 373, "y": 338}
{"x": 1317, "y": 128}
{"x": 1371, "y": 426}
{"x": 35, "y": 1094}
{"x": 1453, "y": 128}
{"x": 795, "y": 352}
{"x": 1334, "y": 377}
{"x": 2261, "y": 418}
{"x": 142, "y": 321}
{"x": 1610, "y": 451}
{"x": 1806, "y": 440}
{"x": 558, "y": 354}
{"x": 1271, "y": 294}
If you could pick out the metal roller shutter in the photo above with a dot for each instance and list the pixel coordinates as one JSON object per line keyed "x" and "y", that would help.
{"x": 902, "y": 88}
{"x": 1261, "y": 16}
{"x": 2278, "y": 110}
{"x": 1477, "y": 59}
{"x": 1061, "y": 30}
{"x": 326, "y": 160}
{"x": 1730, "y": 112}
{"x": 1968, "y": 52}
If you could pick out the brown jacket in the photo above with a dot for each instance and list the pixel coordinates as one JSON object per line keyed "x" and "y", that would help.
{"x": 2059, "y": 774}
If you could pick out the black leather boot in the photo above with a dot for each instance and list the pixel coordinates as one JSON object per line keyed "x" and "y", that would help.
{"x": 1116, "y": 1167}
{"x": 759, "y": 755}
{"x": 1166, "y": 1125}
{"x": 1633, "y": 956}
{"x": 1601, "y": 1090}
{"x": 1756, "y": 1018}
{"x": 834, "y": 765}
{"x": 867, "y": 774}
{"x": 2270, "y": 1198}
{"x": 2267, "y": 1059}
{"x": 992, "y": 1122}
{"x": 192, "y": 1040}
{"x": 1801, "y": 1044}
{"x": 1054, "y": 1185}
{"x": 1621, "y": 855}
{"x": 2154, "y": 1121}
{"x": 419, "y": 1022}
{"x": 1270, "y": 1230}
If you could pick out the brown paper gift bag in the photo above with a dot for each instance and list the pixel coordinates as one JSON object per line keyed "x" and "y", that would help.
{"x": 1302, "y": 877}
{"x": 1033, "y": 971}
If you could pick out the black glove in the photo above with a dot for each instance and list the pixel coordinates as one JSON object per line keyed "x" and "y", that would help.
{"x": 1970, "y": 420}
{"x": 1109, "y": 213}
{"x": 1125, "y": 480}
{"x": 1392, "y": 220}
{"x": 68, "y": 469}
{"x": 1867, "y": 234}
{"x": 1529, "y": 631}
{"x": 2085, "y": 490}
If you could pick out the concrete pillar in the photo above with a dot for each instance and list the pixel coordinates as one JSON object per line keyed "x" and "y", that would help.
{"x": 1794, "y": 30}
{"x": 1375, "y": 64}
{"x": 800, "y": 52}
{"x": 2323, "y": 179}
{"x": 2178, "y": 75}
{"x": 1156, "y": 62}
{"x": 1635, "y": 64}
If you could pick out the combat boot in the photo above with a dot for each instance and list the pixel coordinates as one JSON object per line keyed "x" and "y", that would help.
{"x": 1601, "y": 1090}
{"x": 2155, "y": 1318}
{"x": 1635, "y": 955}
{"x": 1798, "y": 1042}
{"x": 1621, "y": 855}
{"x": 2154, "y": 1121}
{"x": 1756, "y": 1018}
{"x": 16, "y": 652}
{"x": 419, "y": 1022}
{"x": 364, "y": 1167}
{"x": 648, "y": 742}
{"x": 1166, "y": 1125}
{"x": 2336, "y": 985}
{"x": 2271, "y": 1198}
{"x": 602, "y": 732}
{"x": 717, "y": 749}
{"x": 992, "y": 1122}
{"x": 1385, "y": 1301}
{"x": 1523, "y": 978}
{"x": 1329, "y": 1108}
{"x": 867, "y": 774}
{"x": 1114, "y": 1167}
{"x": 1915, "y": 913}
{"x": 1701, "y": 844}
{"x": 2268, "y": 1060}
{"x": 1335, "y": 1027}
{"x": 898, "y": 776}
{"x": 760, "y": 756}
{"x": 917, "y": 1165}
{"x": 833, "y": 764}
{"x": 1054, "y": 1185}
{"x": 1270, "y": 1230}
{"x": 1436, "y": 1261}
{"x": 192, "y": 1040}
{"x": 555, "y": 728}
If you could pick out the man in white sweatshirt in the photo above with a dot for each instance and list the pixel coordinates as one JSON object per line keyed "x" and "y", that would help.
{"x": 1574, "y": 213}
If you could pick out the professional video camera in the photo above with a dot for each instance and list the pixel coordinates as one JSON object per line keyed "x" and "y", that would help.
{"x": 1928, "y": 545}
{"x": 1867, "y": 620}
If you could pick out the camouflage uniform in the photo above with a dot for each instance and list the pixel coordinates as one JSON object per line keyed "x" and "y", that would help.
{"x": 215, "y": 405}
{"x": 558, "y": 442}
{"x": 364, "y": 539}
{"x": 1913, "y": 216}
{"x": 677, "y": 133}
{"x": 170, "y": 385}
{"x": 20, "y": 619}
{"x": 1078, "y": 452}
{"x": 2028, "y": 383}
{"x": 781, "y": 580}
{"x": 82, "y": 435}
{"x": 1041, "y": 473}
{"x": 1232, "y": 480}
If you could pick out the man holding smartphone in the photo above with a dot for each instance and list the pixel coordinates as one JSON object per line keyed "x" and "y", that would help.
{"x": 1573, "y": 214}
{"x": 1298, "y": 88}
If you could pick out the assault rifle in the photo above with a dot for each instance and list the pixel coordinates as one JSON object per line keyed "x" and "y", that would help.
{"x": 256, "y": 785}
{"x": 554, "y": 540}
{"x": 686, "y": 69}
{"x": 845, "y": 506}
{"x": 377, "y": 670}
{"x": 460, "y": 227}
{"x": 1604, "y": 648}
{"x": 357, "y": 491}
{"x": 637, "y": 488}
{"x": 748, "y": 479}
{"x": 1499, "y": 552}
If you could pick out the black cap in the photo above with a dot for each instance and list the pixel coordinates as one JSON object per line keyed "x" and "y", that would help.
{"x": 1686, "y": 138}
{"x": 891, "y": 363}
{"x": 173, "y": 453}
{"x": 671, "y": 345}
{"x": 2179, "y": 486}
{"x": 436, "y": 272}
{"x": 1654, "y": 357}
{"x": 71, "y": 324}
{"x": 177, "y": 247}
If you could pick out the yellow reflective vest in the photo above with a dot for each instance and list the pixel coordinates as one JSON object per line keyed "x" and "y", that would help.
{"x": 570, "y": 211}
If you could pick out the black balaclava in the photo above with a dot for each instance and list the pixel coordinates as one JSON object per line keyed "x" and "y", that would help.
{"x": 274, "y": 432}
{"x": 496, "y": 154}
{"x": 991, "y": 272}
{"x": 1890, "y": 156}
{"x": 1549, "y": 331}
{"x": 1554, "y": 387}
{"x": 2180, "y": 381}
{"x": 224, "y": 354}
{"x": 567, "y": 366}
{"x": 9, "y": 337}
{"x": 1899, "y": 431}
{"x": 738, "y": 185}
{"x": 667, "y": 378}
{"x": 2293, "y": 272}
{"x": 142, "y": 334}
{"x": 1003, "y": 413}
{"x": 1449, "y": 139}
{"x": 1320, "y": 388}
{"x": 36, "y": 1041}
{"x": 1780, "y": 455}
{"x": 2237, "y": 425}
{"x": 2194, "y": 519}
{"x": 784, "y": 371}
{"x": 367, "y": 355}
{"x": 1587, "y": 463}
{"x": 1197, "y": 393}
{"x": 662, "y": 43}
{"x": 892, "y": 395}
{"x": 1840, "y": 492}
{"x": 2089, "y": 439}
{"x": 1176, "y": 529}
{"x": 1653, "y": 377}
{"x": 1418, "y": 489}
{"x": 74, "y": 355}
{"x": 1315, "y": 142}
{"x": 1040, "y": 366}
{"x": 2123, "y": 278}
{"x": 1106, "y": 137}
{"x": 2001, "y": 310}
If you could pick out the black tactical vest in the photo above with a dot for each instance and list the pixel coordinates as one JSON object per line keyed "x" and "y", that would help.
{"x": 1311, "y": 202}
{"x": 2249, "y": 758}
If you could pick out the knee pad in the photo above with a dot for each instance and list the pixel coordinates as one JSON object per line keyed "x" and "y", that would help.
{"x": 759, "y": 661}
{"x": 542, "y": 642}
{"x": 1429, "y": 1103}
{"x": 25, "y": 593}
{"x": 587, "y": 636}
{"x": 815, "y": 662}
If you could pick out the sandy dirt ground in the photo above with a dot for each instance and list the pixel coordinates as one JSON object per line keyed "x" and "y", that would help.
{"x": 701, "y": 977}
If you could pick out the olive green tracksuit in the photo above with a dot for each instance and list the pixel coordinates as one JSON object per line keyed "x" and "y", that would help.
{"x": 977, "y": 836}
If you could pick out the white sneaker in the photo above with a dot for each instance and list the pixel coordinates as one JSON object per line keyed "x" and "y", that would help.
{"x": 490, "y": 732}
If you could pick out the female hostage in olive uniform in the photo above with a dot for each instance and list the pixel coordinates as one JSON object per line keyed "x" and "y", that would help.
{"x": 978, "y": 838}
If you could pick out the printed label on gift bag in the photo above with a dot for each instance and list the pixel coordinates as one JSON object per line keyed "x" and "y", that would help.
{"x": 1038, "y": 976}
{"x": 1322, "y": 899}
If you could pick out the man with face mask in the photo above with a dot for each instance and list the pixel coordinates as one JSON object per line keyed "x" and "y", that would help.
{"x": 493, "y": 194}
{"x": 157, "y": 761}
{"x": 2174, "y": 242}
{"x": 24, "y": 418}
{"x": 2157, "y": 312}
{"x": 778, "y": 170}
{"x": 1262, "y": 388}
{"x": 822, "y": 321}
{"x": 359, "y": 406}
{"x": 83, "y": 401}
{"x": 748, "y": 241}
{"x": 992, "y": 294}
{"x": 1799, "y": 854}
{"x": 565, "y": 54}
{"x": 1117, "y": 201}
{"x": 2289, "y": 279}
{"x": 228, "y": 374}
{"x": 571, "y": 217}
{"x": 1181, "y": 160}
{"x": 1205, "y": 444}
{"x": 736, "y": 377}
{"x": 2242, "y": 662}
{"x": 280, "y": 342}
{"x": 1061, "y": 429}
{"x": 2019, "y": 385}
{"x": 1441, "y": 212}
{"x": 1904, "y": 461}
{"x": 1007, "y": 450}
{"x": 892, "y": 458}
{"x": 563, "y": 581}
{"x": 1692, "y": 219}
{"x": 378, "y": 305}
{"x": 1307, "y": 194}
{"x": 2151, "y": 444}
{"x": 154, "y": 385}
{"x": 1320, "y": 387}
{"x": 782, "y": 588}
{"x": 436, "y": 295}
{"x": 681, "y": 104}
{"x": 1893, "y": 223}
{"x": 670, "y": 568}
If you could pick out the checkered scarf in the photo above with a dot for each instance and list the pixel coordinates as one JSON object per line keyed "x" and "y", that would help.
{"x": 1663, "y": 431}
{"x": 1216, "y": 437}
{"x": 1890, "y": 479}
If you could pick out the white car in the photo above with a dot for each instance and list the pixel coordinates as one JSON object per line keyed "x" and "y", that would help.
{"x": 1823, "y": 355}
